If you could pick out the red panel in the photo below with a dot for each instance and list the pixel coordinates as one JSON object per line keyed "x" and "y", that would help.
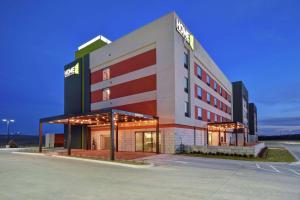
{"x": 204, "y": 115}
{"x": 96, "y": 96}
{"x": 203, "y": 95}
{"x": 131, "y": 64}
{"x": 195, "y": 88}
{"x": 212, "y": 117}
{"x": 196, "y": 112}
{"x": 59, "y": 140}
{"x": 204, "y": 76}
{"x": 134, "y": 63}
{"x": 136, "y": 86}
{"x": 96, "y": 76}
{"x": 218, "y": 118}
{"x": 212, "y": 83}
{"x": 195, "y": 69}
{"x": 212, "y": 100}
{"x": 146, "y": 107}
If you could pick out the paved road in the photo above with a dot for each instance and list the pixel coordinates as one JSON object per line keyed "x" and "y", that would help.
{"x": 37, "y": 177}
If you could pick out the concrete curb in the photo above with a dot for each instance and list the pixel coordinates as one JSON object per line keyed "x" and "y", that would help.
{"x": 28, "y": 153}
{"x": 106, "y": 162}
{"x": 89, "y": 160}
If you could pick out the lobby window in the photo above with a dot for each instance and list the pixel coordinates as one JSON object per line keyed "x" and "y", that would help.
{"x": 106, "y": 94}
{"x": 186, "y": 84}
{"x": 199, "y": 72}
{"x": 199, "y": 92}
{"x": 215, "y": 85}
{"x": 208, "y": 98}
{"x": 186, "y": 60}
{"x": 208, "y": 116}
{"x": 199, "y": 113}
{"x": 106, "y": 74}
{"x": 186, "y": 109}
{"x": 215, "y": 102}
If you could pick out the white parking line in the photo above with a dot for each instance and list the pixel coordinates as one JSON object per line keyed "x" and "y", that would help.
{"x": 276, "y": 170}
{"x": 295, "y": 172}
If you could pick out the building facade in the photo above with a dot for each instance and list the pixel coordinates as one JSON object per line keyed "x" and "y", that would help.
{"x": 252, "y": 119}
{"x": 159, "y": 70}
{"x": 240, "y": 103}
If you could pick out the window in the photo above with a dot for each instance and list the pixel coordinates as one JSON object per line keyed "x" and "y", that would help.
{"x": 106, "y": 74}
{"x": 229, "y": 98}
{"x": 220, "y": 91}
{"x": 199, "y": 92}
{"x": 208, "y": 116}
{"x": 105, "y": 94}
{"x": 199, "y": 112}
{"x": 186, "y": 84}
{"x": 221, "y": 105}
{"x": 221, "y": 119}
{"x": 215, "y": 85}
{"x": 186, "y": 60}
{"x": 186, "y": 109}
{"x": 208, "y": 98}
{"x": 215, "y": 102}
{"x": 216, "y": 118}
{"x": 208, "y": 80}
{"x": 199, "y": 72}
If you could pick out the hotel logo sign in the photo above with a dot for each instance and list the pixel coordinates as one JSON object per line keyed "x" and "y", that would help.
{"x": 72, "y": 70}
{"x": 189, "y": 38}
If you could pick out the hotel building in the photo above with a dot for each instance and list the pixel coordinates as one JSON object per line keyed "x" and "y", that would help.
{"x": 158, "y": 70}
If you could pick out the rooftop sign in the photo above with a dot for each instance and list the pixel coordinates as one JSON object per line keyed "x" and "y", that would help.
{"x": 189, "y": 38}
{"x": 72, "y": 70}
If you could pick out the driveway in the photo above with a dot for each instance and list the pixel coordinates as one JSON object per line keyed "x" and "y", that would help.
{"x": 173, "y": 177}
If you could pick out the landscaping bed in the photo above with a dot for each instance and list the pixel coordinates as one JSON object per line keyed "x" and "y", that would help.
{"x": 267, "y": 155}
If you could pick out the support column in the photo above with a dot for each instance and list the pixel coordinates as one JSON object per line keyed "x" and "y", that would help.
{"x": 236, "y": 135}
{"x": 69, "y": 138}
{"x": 40, "y": 137}
{"x": 219, "y": 137}
{"x": 207, "y": 137}
{"x": 157, "y": 135}
{"x": 194, "y": 136}
{"x": 117, "y": 138}
{"x": 112, "y": 138}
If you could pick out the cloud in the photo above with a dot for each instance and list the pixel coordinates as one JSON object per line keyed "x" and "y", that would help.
{"x": 279, "y": 126}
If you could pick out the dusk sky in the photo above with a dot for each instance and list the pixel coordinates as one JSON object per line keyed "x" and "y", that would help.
{"x": 255, "y": 41}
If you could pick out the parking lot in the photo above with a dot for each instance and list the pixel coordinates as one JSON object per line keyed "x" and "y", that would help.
{"x": 172, "y": 177}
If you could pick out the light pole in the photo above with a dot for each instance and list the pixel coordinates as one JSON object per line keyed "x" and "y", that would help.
{"x": 8, "y": 121}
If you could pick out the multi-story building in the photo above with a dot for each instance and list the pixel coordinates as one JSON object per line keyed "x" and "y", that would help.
{"x": 159, "y": 70}
{"x": 252, "y": 119}
{"x": 240, "y": 103}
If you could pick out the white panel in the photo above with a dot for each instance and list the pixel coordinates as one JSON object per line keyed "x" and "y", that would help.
{"x": 136, "y": 98}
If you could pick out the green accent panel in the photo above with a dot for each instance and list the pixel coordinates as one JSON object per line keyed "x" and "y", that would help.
{"x": 91, "y": 47}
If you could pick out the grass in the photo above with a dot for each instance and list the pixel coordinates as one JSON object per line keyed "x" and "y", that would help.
{"x": 269, "y": 155}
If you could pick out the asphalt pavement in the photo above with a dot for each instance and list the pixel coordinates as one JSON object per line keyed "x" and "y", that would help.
{"x": 173, "y": 177}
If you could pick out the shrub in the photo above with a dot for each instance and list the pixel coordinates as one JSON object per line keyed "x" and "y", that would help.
{"x": 12, "y": 144}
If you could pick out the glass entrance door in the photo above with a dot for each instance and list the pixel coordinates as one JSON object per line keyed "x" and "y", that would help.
{"x": 145, "y": 141}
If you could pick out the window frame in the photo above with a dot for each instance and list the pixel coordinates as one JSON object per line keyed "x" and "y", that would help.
{"x": 105, "y": 95}
{"x": 104, "y": 71}
{"x": 186, "y": 60}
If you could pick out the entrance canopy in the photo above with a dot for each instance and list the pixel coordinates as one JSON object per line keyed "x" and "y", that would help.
{"x": 223, "y": 129}
{"x": 109, "y": 117}
{"x": 98, "y": 118}
{"x": 230, "y": 127}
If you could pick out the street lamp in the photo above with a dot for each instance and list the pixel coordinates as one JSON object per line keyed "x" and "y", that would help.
{"x": 8, "y": 121}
